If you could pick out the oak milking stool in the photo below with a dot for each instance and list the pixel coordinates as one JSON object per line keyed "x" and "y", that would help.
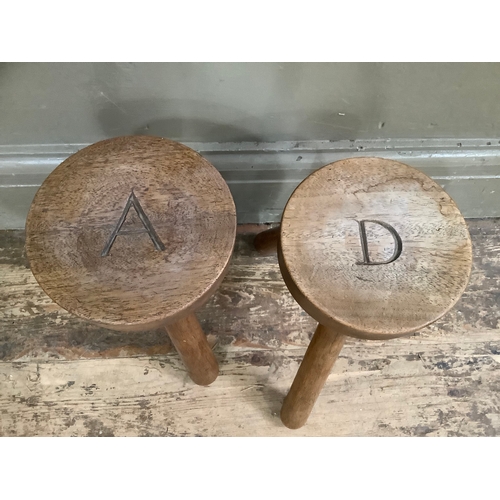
{"x": 135, "y": 233}
{"x": 370, "y": 248}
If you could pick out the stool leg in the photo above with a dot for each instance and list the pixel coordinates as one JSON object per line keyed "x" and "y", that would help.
{"x": 191, "y": 344}
{"x": 266, "y": 242}
{"x": 318, "y": 361}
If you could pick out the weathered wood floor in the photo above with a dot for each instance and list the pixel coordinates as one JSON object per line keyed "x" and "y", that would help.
{"x": 60, "y": 376}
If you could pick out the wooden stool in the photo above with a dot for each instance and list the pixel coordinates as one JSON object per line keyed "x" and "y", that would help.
{"x": 370, "y": 248}
{"x": 135, "y": 233}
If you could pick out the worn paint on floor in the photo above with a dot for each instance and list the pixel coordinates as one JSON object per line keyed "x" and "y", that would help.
{"x": 62, "y": 376}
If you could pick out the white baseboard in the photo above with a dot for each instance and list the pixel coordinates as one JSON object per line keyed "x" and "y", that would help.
{"x": 262, "y": 176}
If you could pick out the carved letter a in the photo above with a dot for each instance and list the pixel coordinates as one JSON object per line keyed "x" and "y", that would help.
{"x": 133, "y": 201}
{"x": 398, "y": 244}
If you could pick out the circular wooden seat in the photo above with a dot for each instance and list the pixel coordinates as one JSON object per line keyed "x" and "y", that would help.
{"x": 370, "y": 248}
{"x": 418, "y": 249}
{"x": 132, "y": 233}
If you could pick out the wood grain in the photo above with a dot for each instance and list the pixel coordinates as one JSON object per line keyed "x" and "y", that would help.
{"x": 410, "y": 272}
{"x": 266, "y": 242}
{"x": 322, "y": 259}
{"x": 137, "y": 286}
{"x": 191, "y": 344}
{"x": 313, "y": 372}
{"x": 426, "y": 387}
{"x": 134, "y": 233}
{"x": 63, "y": 376}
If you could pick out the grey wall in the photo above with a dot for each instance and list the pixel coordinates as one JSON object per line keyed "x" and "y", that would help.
{"x": 59, "y": 103}
{"x": 265, "y": 126}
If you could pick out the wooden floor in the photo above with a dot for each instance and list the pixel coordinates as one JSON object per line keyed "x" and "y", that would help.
{"x": 60, "y": 376}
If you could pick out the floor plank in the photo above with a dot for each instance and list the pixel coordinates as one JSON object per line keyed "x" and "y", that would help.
{"x": 62, "y": 376}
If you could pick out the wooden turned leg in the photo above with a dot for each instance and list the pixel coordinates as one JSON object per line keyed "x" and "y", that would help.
{"x": 266, "y": 242}
{"x": 191, "y": 344}
{"x": 318, "y": 361}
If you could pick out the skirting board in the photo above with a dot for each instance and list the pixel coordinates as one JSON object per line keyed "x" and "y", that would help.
{"x": 262, "y": 176}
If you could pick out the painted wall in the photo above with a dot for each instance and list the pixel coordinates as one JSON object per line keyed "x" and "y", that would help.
{"x": 60, "y": 103}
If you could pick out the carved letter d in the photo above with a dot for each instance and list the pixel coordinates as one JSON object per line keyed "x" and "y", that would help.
{"x": 398, "y": 244}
